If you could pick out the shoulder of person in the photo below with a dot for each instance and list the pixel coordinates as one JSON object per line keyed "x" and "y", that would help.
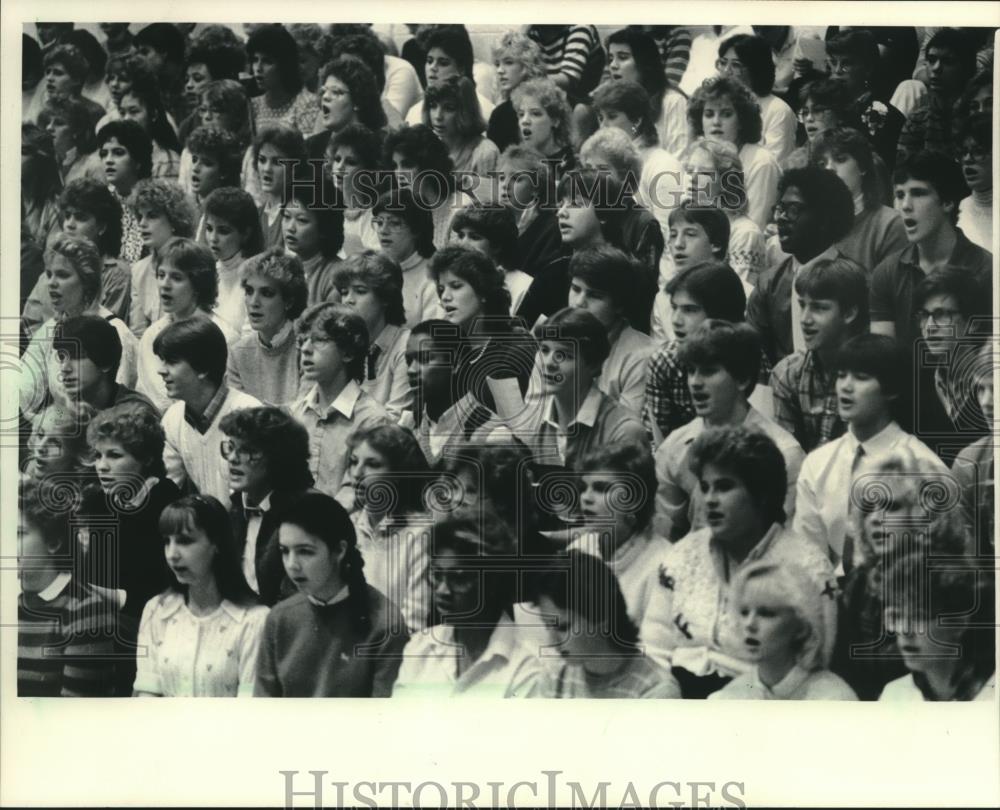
{"x": 826, "y": 685}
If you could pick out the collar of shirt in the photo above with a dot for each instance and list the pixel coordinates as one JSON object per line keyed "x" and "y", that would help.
{"x": 341, "y": 596}
{"x": 502, "y": 644}
{"x": 343, "y": 403}
{"x": 720, "y": 557}
{"x": 175, "y": 601}
{"x": 55, "y": 587}
{"x": 263, "y": 506}
{"x": 830, "y": 253}
{"x": 963, "y": 255}
{"x": 203, "y": 421}
{"x": 280, "y": 337}
{"x": 879, "y": 443}
{"x": 386, "y": 337}
{"x": 586, "y": 415}
{"x": 784, "y": 689}
{"x": 411, "y": 261}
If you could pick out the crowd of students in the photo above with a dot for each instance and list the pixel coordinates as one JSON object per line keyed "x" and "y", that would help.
{"x": 653, "y": 366}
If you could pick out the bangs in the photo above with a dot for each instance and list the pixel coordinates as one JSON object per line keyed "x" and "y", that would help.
{"x": 176, "y": 520}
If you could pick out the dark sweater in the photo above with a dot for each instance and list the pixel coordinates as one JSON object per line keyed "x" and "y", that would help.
{"x": 503, "y": 129}
{"x": 312, "y": 651}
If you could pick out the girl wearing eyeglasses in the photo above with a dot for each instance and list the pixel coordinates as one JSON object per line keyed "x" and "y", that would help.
{"x": 201, "y": 635}
{"x": 338, "y": 636}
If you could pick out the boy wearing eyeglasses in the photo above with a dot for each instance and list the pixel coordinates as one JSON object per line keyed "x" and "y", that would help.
{"x": 927, "y": 189}
{"x": 333, "y": 348}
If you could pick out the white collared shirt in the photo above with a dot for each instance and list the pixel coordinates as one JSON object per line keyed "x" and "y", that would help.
{"x": 586, "y": 415}
{"x": 250, "y": 549}
{"x": 55, "y": 587}
{"x": 340, "y": 596}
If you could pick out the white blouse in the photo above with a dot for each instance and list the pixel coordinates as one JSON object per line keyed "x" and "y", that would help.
{"x": 198, "y": 656}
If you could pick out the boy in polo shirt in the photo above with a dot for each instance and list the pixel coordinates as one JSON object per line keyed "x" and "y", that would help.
{"x": 815, "y": 210}
{"x": 193, "y": 353}
{"x": 723, "y": 360}
{"x": 333, "y": 346}
{"x": 927, "y": 189}
{"x": 870, "y": 379}
{"x": 833, "y": 299}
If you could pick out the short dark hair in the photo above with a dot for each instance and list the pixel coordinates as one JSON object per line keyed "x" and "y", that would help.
{"x": 833, "y": 94}
{"x": 824, "y": 193}
{"x": 236, "y": 207}
{"x": 960, "y": 44}
{"x": 478, "y": 271}
{"x": 454, "y": 41}
{"x": 401, "y": 202}
{"x": 751, "y": 456}
{"x": 38, "y": 505}
{"x": 716, "y": 287}
{"x": 275, "y": 41}
{"x": 878, "y": 355}
{"x": 137, "y": 429}
{"x": 71, "y": 58}
{"x": 196, "y": 341}
{"x": 94, "y": 197}
{"x": 164, "y": 38}
{"x": 581, "y": 328}
{"x": 149, "y": 91}
{"x": 362, "y": 86}
{"x": 838, "y": 279}
{"x": 92, "y": 337}
{"x": 287, "y": 140}
{"x": 345, "y": 327}
{"x": 939, "y": 170}
{"x": 631, "y": 99}
{"x": 627, "y": 458}
{"x": 78, "y": 115}
{"x": 320, "y": 197}
{"x": 734, "y": 346}
{"x": 221, "y": 146}
{"x": 845, "y": 141}
{"x": 460, "y": 92}
{"x": 196, "y": 262}
{"x": 365, "y": 142}
{"x": 609, "y": 270}
{"x": 747, "y": 109}
{"x": 971, "y": 295}
{"x": 91, "y": 49}
{"x": 419, "y": 145}
{"x": 283, "y": 440}
{"x": 360, "y": 44}
{"x": 497, "y": 224}
{"x": 711, "y": 218}
{"x": 383, "y": 275}
{"x": 756, "y": 56}
{"x": 134, "y": 138}
{"x": 219, "y": 49}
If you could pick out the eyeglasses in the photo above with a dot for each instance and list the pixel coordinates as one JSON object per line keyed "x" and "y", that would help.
{"x": 792, "y": 210}
{"x": 388, "y": 223}
{"x": 724, "y": 66}
{"x": 897, "y": 620}
{"x": 315, "y": 340}
{"x": 457, "y": 579}
{"x": 974, "y": 153}
{"x": 942, "y": 317}
{"x": 840, "y": 65}
{"x": 231, "y": 451}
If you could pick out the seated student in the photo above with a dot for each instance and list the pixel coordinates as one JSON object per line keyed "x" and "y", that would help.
{"x": 833, "y": 299}
{"x": 333, "y": 345}
{"x": 208, "y": 602}
{"x": 268, "y": 456}
{"x": 348, "y": 97}
{"x": 265, "y": 363}
{"x": 66, "y": 70}
{"x": 225, "y": 106}
{"x": 126, "y": 152}
{"x": 161, "y": 47}
{"x": 870, "y": 379}
{"x": 352, "y": 157}
{"x": 954, "y": 319}
{"x": 279, "y": 154}
{"x": 215, "y": 53}
{"x": 597, "y": 641}
{"x": 371, "y": 284}
{"x": 143, "y": 103}
{"x": 162, "y": 212}
{"x": 449, "y": 53}
{"x": 216, "y": 159}
{"x": 517, "y": 59}
{"x": 313, "y": 229}
{"x": 188, "y": 285}
{"x": 193, "y": 354}
{"x": 451, "y": 110}
{"x": 338, "y": 636}
{"x": 89, "y": 353}
{"x": 65, "y": 629}
{"x": 723, "y": 361}
{"x": 472, "y": 646}
{"x": 387, "y": 471}
{"x": 231, "y": 230}
{"x": 57, "y": 445}
{"x": 576, "y": 416}
{"x": 741, "y": 475}
{"x": 631, "y": 549}
{"x": 696, "y": 235}
{"x": 779, "y": 613}
{"x": 545, "y": 123}
{"x": 696, "y": 293}
{"x": 815, "y": 211}
{"x": 404, "y": 232}
{"x": 492, "y": 229}
{"x": 974, "y": 466}
{"x": 823, "y": 104}
{"x": 88, "y": 210}
{"x": 285, "y": 101}
{"x": 975, "y": 212}
{"x": 928, "y": 643}
{"x": 927, "y": 190}
{"x": 606, "y": 283}
{"x": 877, "y": 232}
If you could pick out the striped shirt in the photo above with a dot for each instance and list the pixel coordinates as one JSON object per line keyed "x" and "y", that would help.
{"x": 65, "y": 641}
{"x": 569, "y": 52}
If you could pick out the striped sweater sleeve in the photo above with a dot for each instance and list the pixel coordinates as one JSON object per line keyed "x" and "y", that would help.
{"x": 580, "y": 41}
{"x": 676, "y": 54}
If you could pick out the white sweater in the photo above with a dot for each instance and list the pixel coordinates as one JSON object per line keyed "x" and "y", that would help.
{"x": 189, "y": 455}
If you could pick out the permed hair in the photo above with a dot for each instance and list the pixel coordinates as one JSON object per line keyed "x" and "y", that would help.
{"x": 165, "y": 197}
{"x": 86, "y": 261}
{"x": 199, "y": 342}
{"x": 275, "y": 41}
{"x": 135, "y": 140}
{"x": 633, "y": 101}
{"x": 478, "y": 271}
{"x": 626, "y": 459}
{"x": 93, "y": 198}
{"x": 137, "y": 430}
{"x": 495, "y": 223}
{"x": 196, "y": 262}
{"x": 404, "y": 459}
{"x": 734, "y": 346}
{"x": 551, "y": 99}
{"x": 382, "y": 275}
{"x": 753, "y": 458}
{"x": 237, "y": 208}
{"x": 229, "y": 99}
{"x": 583, "y": 330}
{"x": 283, "y": 441}
{"x": 613, "y": 147}
{"x": 286, "y": 271}
{"x": 345, "y": 327}
{"x": 360, "y": 83}
{"x": 747, "y": 109}
{"x": 72, "y": 60}
{"x": 419, "y": 146}
{"x": 222, "y": 147}
{"x": 826, "y": 195}
{"x": 716, "y": 287}
{"x": 459, "y": 93}
{"x": 521, "y": 48}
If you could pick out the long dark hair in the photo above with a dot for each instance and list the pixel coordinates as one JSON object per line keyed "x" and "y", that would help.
{"x": 322, "y": 517}
{"x": 207, "y": 514}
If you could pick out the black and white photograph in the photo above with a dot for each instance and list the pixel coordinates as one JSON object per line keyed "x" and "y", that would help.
{"x": 471, "y": 365}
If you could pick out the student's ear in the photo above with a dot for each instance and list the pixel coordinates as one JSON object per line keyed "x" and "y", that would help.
{"x": 851, "y": 316}
{"x": 341, "y": 550}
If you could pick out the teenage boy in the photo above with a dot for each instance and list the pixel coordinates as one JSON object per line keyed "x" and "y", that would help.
{"x": 833, "y": 301}
{"x": 193, "y": 352}
{"x": 723, "y": 361}
{"x": 815, "y": 210}
{"x": 89, "y": 352}
{"x": 927, "y": 189}
{"x": 870, "y": 379}
{"x": 333, "y": 347}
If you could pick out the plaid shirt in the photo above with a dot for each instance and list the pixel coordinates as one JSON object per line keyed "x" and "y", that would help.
{"x": 805, "y": 400}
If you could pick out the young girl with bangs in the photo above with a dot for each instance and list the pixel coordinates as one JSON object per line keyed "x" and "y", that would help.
{"x": 277, "y": 152}
{"x": 452, "y": 111}
{"x": 517, "y": 58}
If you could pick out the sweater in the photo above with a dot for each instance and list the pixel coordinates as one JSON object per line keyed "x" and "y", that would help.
{"x": 270, "y": 373}
{"x": 310, "y": 650}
